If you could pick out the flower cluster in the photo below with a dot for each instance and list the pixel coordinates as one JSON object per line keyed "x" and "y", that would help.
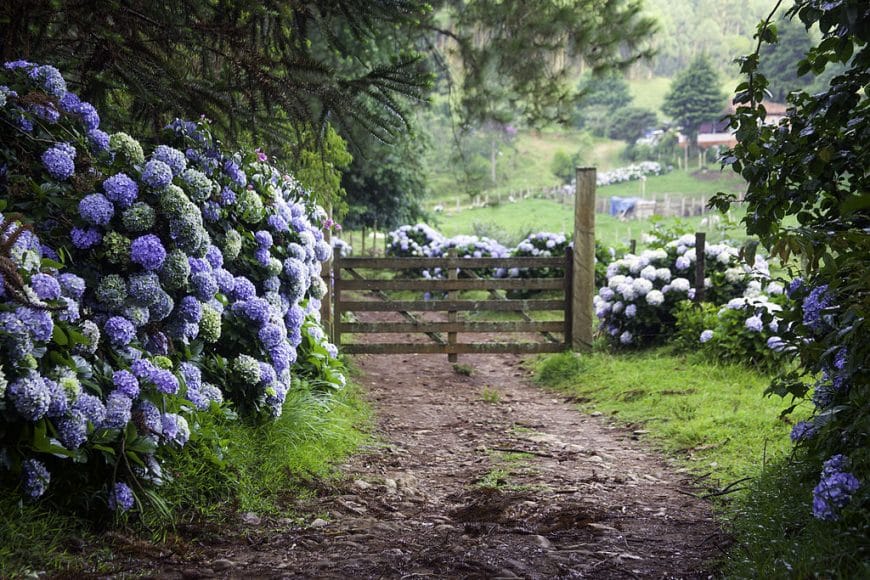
{"x": 835, "y": 489}
{"x": 538, "y": 244}
{"x": 630, "y": 173}
{"x": 341, "y": 247}
{"x": 638, "y": 303}
{"x": 170, "y": 250}
{"x": 414, "y": 241}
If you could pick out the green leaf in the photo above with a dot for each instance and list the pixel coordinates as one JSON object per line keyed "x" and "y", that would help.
{"x": 58, "y": 336}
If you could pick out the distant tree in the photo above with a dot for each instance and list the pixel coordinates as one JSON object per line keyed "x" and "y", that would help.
{"x": 385, "y": 186}
{"x": 695, "y": 97}
{"x": 608, "y": 90}
{"x": 778, "y": 60}
{"x": 630, "y": 123}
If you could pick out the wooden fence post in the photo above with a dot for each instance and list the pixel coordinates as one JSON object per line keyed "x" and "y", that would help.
{"x": 584, "y": 259}
{"x": 336, "y": 299}
{"x": 632, "y": 246}
{"x": 700, "y": 248}
{"x": 452, "y": 274}
{"x": 326, "y": 304}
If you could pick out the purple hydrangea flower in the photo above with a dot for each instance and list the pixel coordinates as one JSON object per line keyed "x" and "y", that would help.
{"x": 30, "y": 396}
{"x": 214, "y": 257}
{"x": 147, "y": 418}
{"x": 794, "y": 286}
{"x": 754, "y": 323}
{"x": 228, "y": 196}
{"x": 190, "y": 309}
{"x": 706, "y": 335}
{"x": 90, "y": 117}
{"x": 226, "y": 281}
{"x": 71, "y": 285}
{"x": 165, "y": 381}
{"x": 835, "y": 489}
{"x": 263, "y": 239}
{"x": 271, "y": 334}
{"x": 51, "y": 79}
{"x": 58, "y": 164}
{"x": 144, "y": 288}
{"x": 204, "y": 285}
{"x": 99, "y": 139}
{"x": 125, "y": 382}
{"x": 45, "y": 286}
{"x": 118, "y": 410}
{"x": 278, "y": 223}
{"x": 816, "y": 301}
{"x": 802, "y": 430}
{"x": 243, "y": 289}
{"x": 96, "y": 209}
{"x": 92, "y": 408}
{"x": 38, "y": 322}
{"x": 121, "y": 189}
{"x": 72, "y": 429}
{"x": 173, "y": 158}
{"x": 70, "y": 103}
{"x": 148, "y": 252}
{"x": 35, "y": 478}
{"x": 156, "y": 174}
{"x": 85, "y": 238}
{"x": 262, "y": 256}
{"x": 119, "y": 330}
{"x": 198, "y": 265}
{"x": 257, "y": 310}
{"x": 121, "y": 497}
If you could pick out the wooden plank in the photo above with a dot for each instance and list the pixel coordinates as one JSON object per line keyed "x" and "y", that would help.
{"x": 452, "y": 275}
{"x": 569, "y": 298}
{"x": 454, "y": 326}
{"x": 443, "y": 305}
{"x": 406, "y": 315}
{"x": 496, "y": 296}
{"x": 453, "y": 262}
{"x": 461, "y": 348}
{"x": 336, "y": 296}
{"x": 584, "y": 260}
{"x": 459, "y": 284}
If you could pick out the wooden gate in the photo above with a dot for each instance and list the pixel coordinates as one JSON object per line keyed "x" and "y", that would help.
{"x": 361, "y": 286}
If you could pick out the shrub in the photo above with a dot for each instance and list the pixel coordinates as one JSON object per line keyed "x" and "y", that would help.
{"x": 173, "y": 281}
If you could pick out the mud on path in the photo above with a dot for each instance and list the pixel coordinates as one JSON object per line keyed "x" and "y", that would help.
{"x": 480, "y": 476}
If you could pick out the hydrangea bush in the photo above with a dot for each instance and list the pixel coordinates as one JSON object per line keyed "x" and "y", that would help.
{"x": 631, "y": 173}
{"x": 743, "y": 331}
{"x": 160, "y": 285}
{"x": 638, "y": 304}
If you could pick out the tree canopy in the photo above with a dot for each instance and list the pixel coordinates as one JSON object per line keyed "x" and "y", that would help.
{"x": 695, "y": 97}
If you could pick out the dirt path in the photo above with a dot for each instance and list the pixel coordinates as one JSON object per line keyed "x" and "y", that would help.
{"x": 479, "y": 476}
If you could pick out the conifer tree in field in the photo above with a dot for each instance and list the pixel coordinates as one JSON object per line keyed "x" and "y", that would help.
{"x": 695, "y": 97}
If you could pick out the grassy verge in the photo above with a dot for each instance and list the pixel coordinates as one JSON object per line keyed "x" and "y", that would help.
{"x": 716, "y": 420}
{"x": 712, "y": 416}
{"x": 259, "y": 468}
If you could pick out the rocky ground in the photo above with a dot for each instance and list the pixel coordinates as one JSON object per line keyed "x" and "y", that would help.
{"x": 480, "y": 476}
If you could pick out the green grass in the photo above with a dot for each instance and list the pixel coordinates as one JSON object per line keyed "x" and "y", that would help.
{"x": 510, "y": 222}
{"x": 680, "y": 184}
{"x": 650, "y": 93}
{"x": 261, "y": 469}
{"x": 714, "y": 417}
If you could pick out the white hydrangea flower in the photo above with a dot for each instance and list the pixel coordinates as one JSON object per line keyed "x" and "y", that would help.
{"x": 733, "y": 275}
{"x": 655, "y": 298}
{"x": 736, "y": 303}
{"x": 723, "y": 258}
{"x": 663, "y": 274}
{"x": 641, "y": 286}
{"x": 680, "y": 285}
{"x": 614, "y": 281}
{"x": 606, "y": 293}
{"x": 682, "y": 263}
{"x": 626, "y": 291}
{"x": 649, "y": 273}
{"x": 775, "y": 289}
{"x": 617, "y": 307}
{"x": 625, "y": 337}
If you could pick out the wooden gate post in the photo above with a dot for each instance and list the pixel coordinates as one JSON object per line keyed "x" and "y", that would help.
{"x": 326, "y": 274}
{"x": 584, "y": 259}
{"x": 700, "y": 249}
{"x": 452, "y": 274}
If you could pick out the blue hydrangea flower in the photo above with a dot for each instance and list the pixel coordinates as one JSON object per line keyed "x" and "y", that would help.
{"x": 165, "y": 381}
{"x": 225, "y": 280}
{"x": 118, "y": 410}
{"x": 59, "y": 398}
{"x": 119, "y": 331}
{"x": 45, "y": 286}
{"x": 35, "y": 478}
{"x": 144, "y": 288}
{"x": 121, "y": 498}
{"x": 142, "y": 368}
{"x": 148, "y": 252}
{"x": 99, "y": 140}
{"x": 85, "y": 238}
{"x": 89, "y": 116}
{"x": 754, "y": 323}
{"x": 834, "y": 490}
{"x": 92, "y": 408}
{"x": 38, "y": 322}
{"x": 51, "y": 79}
{"x": 816, "y": 301}
{"x": 96, "y": 209}
{"x": 30, "y": 396}
{"x": 70, "y": 102}
{"x": 147, "y": 418}
{"x": 228, "y": 197}
{"x": 263, "y": 239}
{"x": 175, "y": 428}
{"x": 243, "y": 289}
{"x": 72, "y": 429}
{"x": 322, "y": 251}
{"x": 278, "y": 223}
{"x": 71, "y": 285}
{"x": 121, "y": 189}
{"x": 126, "y": 382}
{"x": 204, "y": 285}
{"x": 198, "y": 265}
{"x": 802, "y": 430}
{"x": 67, "y": 148}
{"x": 156, "y": 174}
{"x": 162, "y": 307}
{"x": 173, "y": 158}
{"x": 58, "y": 164}
{"x": 190, "y": 309}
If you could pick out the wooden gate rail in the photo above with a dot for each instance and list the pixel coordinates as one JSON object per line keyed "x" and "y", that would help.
{"x": 449, "y": 287}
